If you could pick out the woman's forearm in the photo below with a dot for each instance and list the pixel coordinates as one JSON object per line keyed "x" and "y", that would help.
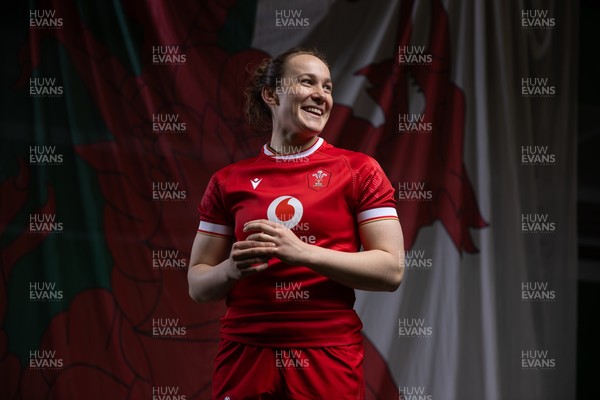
{"x": 211, "y": 280}
{"x": 208, "y": 283}
{"x": 379, "y": 267}
{"x": 375, "y": 270}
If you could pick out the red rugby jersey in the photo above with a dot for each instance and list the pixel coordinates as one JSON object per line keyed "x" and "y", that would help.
{"x": 322, "y": 194}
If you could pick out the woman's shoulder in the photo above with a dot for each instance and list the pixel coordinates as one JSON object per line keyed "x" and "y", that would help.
{"x": 354, "y": 159}
{"x": 225, "y": 171}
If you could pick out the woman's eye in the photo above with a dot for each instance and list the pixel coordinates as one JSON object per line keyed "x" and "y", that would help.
{"x": 328, "y": 88}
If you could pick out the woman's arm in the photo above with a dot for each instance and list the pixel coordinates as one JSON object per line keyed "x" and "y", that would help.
{"x": 214, "y": 270}
{"x": 380, "y": 267}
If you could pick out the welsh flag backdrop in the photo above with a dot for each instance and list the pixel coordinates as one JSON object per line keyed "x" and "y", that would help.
{"x": 116, "y": 114}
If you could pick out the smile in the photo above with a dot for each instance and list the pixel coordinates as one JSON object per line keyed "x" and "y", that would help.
{"x": 313, "y": 110}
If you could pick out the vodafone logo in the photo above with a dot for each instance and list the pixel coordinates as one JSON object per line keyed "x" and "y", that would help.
{"x": 285, "y": 210}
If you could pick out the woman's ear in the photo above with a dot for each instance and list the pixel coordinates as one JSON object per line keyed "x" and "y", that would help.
{"x": 269, "y": 96}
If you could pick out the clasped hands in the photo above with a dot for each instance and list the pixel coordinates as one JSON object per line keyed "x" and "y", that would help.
{"x": 267, "y": 239}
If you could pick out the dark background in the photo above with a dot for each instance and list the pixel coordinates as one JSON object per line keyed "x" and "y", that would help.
{"x": 588, "y": 202}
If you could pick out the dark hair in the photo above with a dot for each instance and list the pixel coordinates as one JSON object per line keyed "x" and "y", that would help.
{"x": 267, "y": 74}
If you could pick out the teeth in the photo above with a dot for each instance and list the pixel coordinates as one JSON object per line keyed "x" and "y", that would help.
{"x": 314, "y": 110}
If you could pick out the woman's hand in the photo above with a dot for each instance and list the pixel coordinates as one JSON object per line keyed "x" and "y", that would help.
{"x": 287, "y": 246}
{"x": 216, "y": 265}
{"x": 249, "y": 257}
{"x": 378, "y": 267}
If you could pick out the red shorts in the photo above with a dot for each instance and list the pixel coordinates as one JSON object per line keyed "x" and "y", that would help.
{"x": 244, "y": 372}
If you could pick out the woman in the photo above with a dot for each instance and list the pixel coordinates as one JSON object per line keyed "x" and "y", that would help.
{"x": 297, "y": 215}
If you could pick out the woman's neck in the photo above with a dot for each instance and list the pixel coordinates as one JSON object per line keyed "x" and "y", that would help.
{"x": 283, "y": 145}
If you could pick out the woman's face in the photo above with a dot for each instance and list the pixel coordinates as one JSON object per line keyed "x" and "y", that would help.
{"x": 304, "y": 96}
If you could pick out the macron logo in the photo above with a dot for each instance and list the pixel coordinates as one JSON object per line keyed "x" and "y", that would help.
{"x": 255, "y": 182}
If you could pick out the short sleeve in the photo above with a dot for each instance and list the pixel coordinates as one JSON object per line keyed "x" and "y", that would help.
{"x": 215, "y": 218}
{"x": 374, "y": 194}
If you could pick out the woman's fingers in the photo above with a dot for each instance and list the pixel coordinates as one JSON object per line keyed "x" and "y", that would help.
{"x": 262, "y": 237}
{"x": 262, "y": 225}
{"x": 251, "y": 255}
{"x": 251, "y": 245}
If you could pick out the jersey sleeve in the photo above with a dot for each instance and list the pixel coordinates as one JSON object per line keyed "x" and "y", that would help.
{"x": 374, "y": 194}
{"x": 215, "y": 218}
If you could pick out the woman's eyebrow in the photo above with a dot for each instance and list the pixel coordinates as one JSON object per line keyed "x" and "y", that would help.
{"x": 311, "y": 75}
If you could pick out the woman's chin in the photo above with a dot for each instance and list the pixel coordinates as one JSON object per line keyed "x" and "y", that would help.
{"x": 306, "y": 131}
{"x": 314, "y": 129}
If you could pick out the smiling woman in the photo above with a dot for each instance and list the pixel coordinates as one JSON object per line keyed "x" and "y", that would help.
{"x": 302, "y": 112}
{"x": 285, "y": 75}
{"x": 279, "y": 238}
